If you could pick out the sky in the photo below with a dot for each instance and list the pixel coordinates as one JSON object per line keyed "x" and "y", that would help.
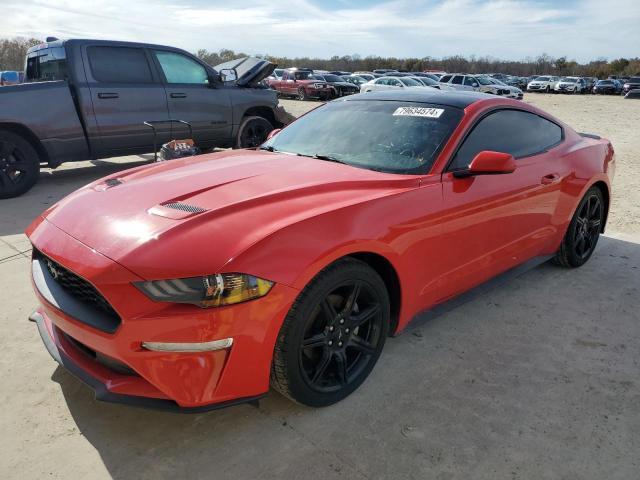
{"x": 505, "y": 29}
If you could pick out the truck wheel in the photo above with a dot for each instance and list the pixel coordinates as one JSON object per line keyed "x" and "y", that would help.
{"x": 302, "y": 94}
{"x": 19, "y": 165}
{"x": 253, "y": 132}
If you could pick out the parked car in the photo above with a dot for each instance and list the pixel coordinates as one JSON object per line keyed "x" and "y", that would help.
{"x": 390, "y": 83}
{"x": 93, "y": 96}
{"x": 544, "y": 83}
{"x": 355, "y": 80}
{"x": 607, "y": 87}
{"x": 206, "y": 283}
{"x": 339, "y": 73}
{"x": 429, "y": 82}
{"x": 501, "y": 89}
{"x": 366, "y": 75}
{"x": 432, "y": 76}
{"x": 589, "y": 84}
{"x": 570, "y": 85}
{"x": 300, "y": 83}
{"x": 478, "y": 83}
{"x": 632, "y": 84}
{"x": 384, "y": 71}
{"x": 633, "y": 94}
{"x": 339, "y": 85}
{"x": 9, "y": 77}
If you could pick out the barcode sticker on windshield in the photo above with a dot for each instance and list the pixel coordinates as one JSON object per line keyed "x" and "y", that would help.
{"x": 419, "y": 112}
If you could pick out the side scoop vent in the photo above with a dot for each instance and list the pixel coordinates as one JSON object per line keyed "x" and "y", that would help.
{"x": 184, "y": 207}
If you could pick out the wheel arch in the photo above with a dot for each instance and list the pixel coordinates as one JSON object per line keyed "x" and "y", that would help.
{"x": 264, "y": 112}
{"x": 29, "y": 136}
{"x": 606, "y": 195}
{"x": 389, "y": 275}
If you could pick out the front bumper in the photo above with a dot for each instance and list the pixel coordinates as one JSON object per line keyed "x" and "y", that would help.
{"x": 62, "y": 351}
{"x": 186, "y": 380}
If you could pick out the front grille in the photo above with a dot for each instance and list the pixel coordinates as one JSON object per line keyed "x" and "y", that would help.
{"x": 77, "y": 286}
{"x": 184, "y": 207}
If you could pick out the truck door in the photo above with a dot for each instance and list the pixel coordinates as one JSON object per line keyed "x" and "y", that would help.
{"x": 125, "y": 93}
{"x": 193, "y": 99}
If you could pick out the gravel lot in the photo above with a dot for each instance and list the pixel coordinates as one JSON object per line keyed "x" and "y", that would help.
{"x": 537, "y": 378}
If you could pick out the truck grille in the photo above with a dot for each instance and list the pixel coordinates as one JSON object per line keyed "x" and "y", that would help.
{"x": 77, "y": 286}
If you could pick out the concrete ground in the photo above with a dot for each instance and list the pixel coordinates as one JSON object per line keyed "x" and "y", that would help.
{"x": 538, "y": 378}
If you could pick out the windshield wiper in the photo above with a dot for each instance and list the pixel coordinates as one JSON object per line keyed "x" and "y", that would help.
{"x": 327, "y": 158}
{"x": 268, "y": 148}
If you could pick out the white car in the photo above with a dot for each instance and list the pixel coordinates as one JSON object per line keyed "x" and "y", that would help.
{"x": 545, "y": 83}
{"x": 428, "y": 82}
{"x": 505, "y": 90}
{"x": 570, "y": 85}
{"x": 391, "y": 83}
{"x": 476, "y": 83}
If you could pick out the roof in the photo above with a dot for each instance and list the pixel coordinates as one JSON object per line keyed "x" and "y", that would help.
{"x": 459, "y": 99}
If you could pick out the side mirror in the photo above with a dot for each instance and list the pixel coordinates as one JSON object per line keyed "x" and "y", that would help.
{"x": 488, "y": 163}
{"x": 474, "y": 84}
{"x": 228, "y": 75}
{"x": 273, "y": 133}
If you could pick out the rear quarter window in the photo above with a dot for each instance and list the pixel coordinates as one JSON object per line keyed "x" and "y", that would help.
{"x": 517, "y": 132}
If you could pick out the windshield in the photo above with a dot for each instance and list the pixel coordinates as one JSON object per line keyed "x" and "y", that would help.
{"x": 388, "y": 136}
{"x": 542, "y": 79}
{"x": 333, "y": 78}
{"x": 569, "y": 79}
{"x": 605, "y": 82}
{"x": 302, "y": 75}
{"x": 410, "y": 82}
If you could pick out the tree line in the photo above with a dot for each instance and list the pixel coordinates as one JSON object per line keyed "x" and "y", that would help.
{"x": 13, "y": 50}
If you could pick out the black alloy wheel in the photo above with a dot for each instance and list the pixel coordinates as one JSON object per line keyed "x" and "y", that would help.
{"x": 333, "y": 335}
{"x": 253, "y": 132}
{"x": 19, "y": 165}
{"x": 584, "y": 230}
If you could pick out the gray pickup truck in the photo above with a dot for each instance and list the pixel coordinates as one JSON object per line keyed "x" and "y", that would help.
{"x": 89, "y": 99}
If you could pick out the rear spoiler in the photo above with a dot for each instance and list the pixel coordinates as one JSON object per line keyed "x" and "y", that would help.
{"x": 590, "y": 135}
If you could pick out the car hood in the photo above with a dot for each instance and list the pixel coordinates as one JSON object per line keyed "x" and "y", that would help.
{"x": 343, "y": 84}
{"x": 249, "y": 70}
{"x": 203, "y": 211}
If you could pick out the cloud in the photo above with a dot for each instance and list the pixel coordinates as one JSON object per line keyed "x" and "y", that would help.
{"x": 510, "y": 29}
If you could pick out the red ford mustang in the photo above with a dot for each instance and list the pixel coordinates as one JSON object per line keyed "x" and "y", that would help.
{"x": 201, "y": 282}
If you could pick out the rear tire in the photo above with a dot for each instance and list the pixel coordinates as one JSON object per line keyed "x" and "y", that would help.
{"x": 302, "y": 94}
{"x": 19, "y": 165}
{"x": 583, "y": 232}
{"x": 333, "y": 335}
{"x": 253, "y": 132}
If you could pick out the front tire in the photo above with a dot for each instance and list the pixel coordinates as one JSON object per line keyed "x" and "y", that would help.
{"x": 584, "y": 230}
{"x": 253, "y": 132}
{"x": 302, "y": 94}
{"x": 19, "y": 165}
{"x": 333, "y": 335}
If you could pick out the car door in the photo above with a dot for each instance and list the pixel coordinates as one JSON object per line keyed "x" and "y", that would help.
{"x": 495, "y": 222}
{"x": 125, "y": 92}
{"x": 192, "y": 98}
{"x": 470, "y": 83}
{"x": 456, "y": 82}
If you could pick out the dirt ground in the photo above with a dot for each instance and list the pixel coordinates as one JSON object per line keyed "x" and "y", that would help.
{"x": 534, "y": 379}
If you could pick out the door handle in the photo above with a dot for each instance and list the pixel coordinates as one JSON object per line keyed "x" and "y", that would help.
{"x": 108, "y": 95}
{"x": 178, "y": 95}
{"x": 549, "y": 179}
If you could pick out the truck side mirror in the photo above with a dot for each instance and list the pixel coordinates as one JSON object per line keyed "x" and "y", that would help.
{"x": 228, "y": 75}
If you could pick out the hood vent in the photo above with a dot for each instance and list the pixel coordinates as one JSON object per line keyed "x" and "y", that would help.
{"x": 184, "y": 207}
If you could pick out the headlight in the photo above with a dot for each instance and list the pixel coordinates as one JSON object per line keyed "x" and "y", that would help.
{"x": 209, "y": 291}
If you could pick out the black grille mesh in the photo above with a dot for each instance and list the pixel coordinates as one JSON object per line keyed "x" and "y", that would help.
{"x": 77, "y": 286}
{"x": 184, "y": 207}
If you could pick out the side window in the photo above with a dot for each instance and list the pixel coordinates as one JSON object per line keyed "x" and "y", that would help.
{"x": 510, "y": 131}
{"x": 457, "y": 80}
{"x": 178, "y": 68}
{"x": 469, "y": 81}
{"x": 393, "y": 82}
{"x": 119, "y": 65}
{"x": 382, "y": 81}
{"x": 285, "y": 75}
{"x": 445, "y": 78}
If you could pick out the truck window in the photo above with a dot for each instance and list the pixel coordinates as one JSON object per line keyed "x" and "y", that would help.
{"x": 46, "y": 64}
{"x": 119, "y": 65}
{"x": 178, "y": 68}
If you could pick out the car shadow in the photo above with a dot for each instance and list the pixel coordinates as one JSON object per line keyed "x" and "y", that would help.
{"x": 463, "y": 389}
